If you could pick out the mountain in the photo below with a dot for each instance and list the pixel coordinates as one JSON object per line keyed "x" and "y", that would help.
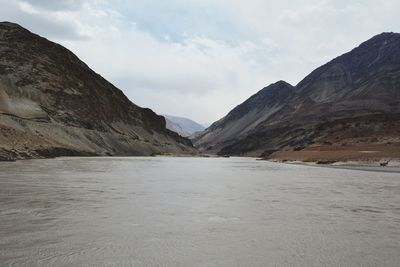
{"x": 53, "y": 104}
{"x": 245, "y": 117}
{"x": 346, "y": 109}
{"x": 176, "y": 128}
{"x": 183, "y": 126}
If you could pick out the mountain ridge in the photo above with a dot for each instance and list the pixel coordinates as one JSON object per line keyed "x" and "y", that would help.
{"x": 54, "y": 104}
{"x": 183, "y": 126}
{"x": 363, "y": 82}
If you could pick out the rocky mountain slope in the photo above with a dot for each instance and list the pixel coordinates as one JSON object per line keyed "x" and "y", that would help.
{"x": 183, "y": 126}
{"x": 350, "y": 105}
{"x": 53, "y": 104}
{"x": 245, "y": 117}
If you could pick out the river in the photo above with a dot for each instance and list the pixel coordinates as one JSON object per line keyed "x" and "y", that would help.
{"x": 166, "y": 211}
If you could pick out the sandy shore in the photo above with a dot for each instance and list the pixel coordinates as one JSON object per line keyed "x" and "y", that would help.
{"x": 393, "y": 166}
{"x": 360, "y": 156}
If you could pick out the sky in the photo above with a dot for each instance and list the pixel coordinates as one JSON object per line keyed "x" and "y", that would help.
{"x": 201, "y": 58}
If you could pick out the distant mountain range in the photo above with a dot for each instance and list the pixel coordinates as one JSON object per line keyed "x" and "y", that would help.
{"x": 53, "y": 104}
{"x": 183, "y": 126}
{"x": 347, "y": 109}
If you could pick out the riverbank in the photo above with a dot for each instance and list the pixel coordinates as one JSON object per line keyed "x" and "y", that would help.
{"x": 392, "y": 166}
{"x": 353, "y": 155}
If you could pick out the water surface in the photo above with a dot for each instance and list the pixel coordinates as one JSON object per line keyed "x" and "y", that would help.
{"x": 195, "y": 212}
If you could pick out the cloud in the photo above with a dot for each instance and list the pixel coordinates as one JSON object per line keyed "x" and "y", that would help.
{"x": 200, "y": 75}
{"x": 200, "y": 58}
{"x": 57, "y": 5}
{"x": 50, "y": 24}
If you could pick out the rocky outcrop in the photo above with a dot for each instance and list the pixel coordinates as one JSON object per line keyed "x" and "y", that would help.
{"x": 328, "y": 108}
{"x": 53, "y": 104}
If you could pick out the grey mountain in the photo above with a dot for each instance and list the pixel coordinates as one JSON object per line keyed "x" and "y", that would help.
{"x": 183, "y": 126}
{"x": 352, "y": 101}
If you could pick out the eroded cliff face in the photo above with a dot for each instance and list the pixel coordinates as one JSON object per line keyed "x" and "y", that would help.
{"x": 53, "y": 104}
{"x": 352, "y": 101}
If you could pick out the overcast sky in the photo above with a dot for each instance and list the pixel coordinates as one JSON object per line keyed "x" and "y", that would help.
{"x": 201, "y": 58}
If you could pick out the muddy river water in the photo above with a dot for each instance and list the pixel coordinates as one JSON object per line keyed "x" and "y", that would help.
{"x": 166, "y": 211}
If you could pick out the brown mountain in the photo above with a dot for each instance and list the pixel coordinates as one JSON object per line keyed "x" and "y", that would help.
{"x": 347, "y": 109}
{"x": 52, "y": 104}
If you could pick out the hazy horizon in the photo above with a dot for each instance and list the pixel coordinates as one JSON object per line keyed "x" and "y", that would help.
{"x": 199, "y": 59}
